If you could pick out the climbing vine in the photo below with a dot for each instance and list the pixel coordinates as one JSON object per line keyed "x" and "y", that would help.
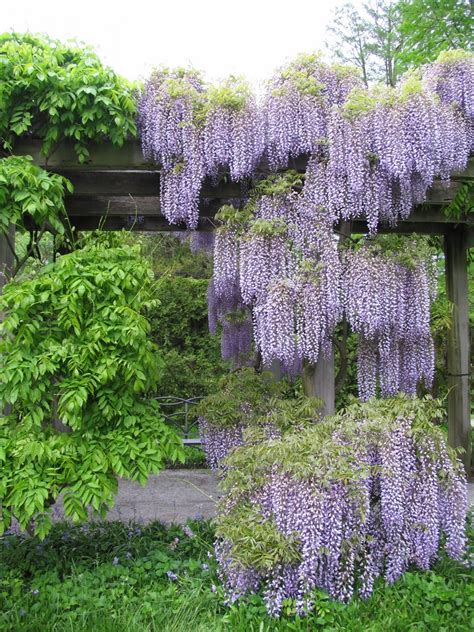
{"x": 56, "y": 92}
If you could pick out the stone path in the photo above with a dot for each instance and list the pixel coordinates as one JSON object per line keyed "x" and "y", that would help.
{"x": 171, "y": 496}
{"x": 176, "y": 496}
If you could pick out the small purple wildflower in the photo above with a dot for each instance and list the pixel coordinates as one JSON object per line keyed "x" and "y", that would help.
{"x": 115, "y": 561}
{"x": 188, "y": 531}
{"x": 171, "y": 576}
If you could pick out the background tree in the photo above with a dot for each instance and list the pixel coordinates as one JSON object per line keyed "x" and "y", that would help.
{"x": 350, "y": 33}
{"x": 430, "y": 26}
{"x": 386, "y": 39}
{"x": 368, "y": 37}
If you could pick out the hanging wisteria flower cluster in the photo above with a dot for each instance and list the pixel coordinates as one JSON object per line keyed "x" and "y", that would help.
{"x": 379, "y": 150}
{"x": 192, "y": 131}
{"x": 297, "y": 105}
{"x": 339, "y": 504}
{"x": 224, "y": 300}
{"x": 451, "y": 77}
{"x": 388, "y": 290}
{"x": 278, "y": 255}
{"x": 385, "y": 149}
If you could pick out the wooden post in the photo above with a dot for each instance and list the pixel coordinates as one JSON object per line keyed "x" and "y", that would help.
{"x": 276, "y": 370}
{"x": 459, "y": 423}
{"x": 318, "y": 381}
{"x": 7, "y": 260}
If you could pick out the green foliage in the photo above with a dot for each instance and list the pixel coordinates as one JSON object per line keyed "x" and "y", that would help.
{"x": 173, "y": 257}
{"x": 299, "y": 75}
{"x": 231, "y": 94}
{"x": 429, "y": 27}
{"x": 54, "y": 91}
{"x": 253, "y": 400}
{"x": 243, "y": 388}
{"x": 30, "y": 196}
{"x": 194, "y": 458}
{"x": 179, "y": 327}
{"x": 463, "y": 203}
{"x": 279, "y": 183}
{"x": 408, "y": 251}
{"x": 70, "y": 582}
{"x": 76, "y": 362}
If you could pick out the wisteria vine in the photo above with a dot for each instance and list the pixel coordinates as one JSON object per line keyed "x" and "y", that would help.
{"x": 378, "y": 150}
{"x": 339, "y": 504}
{"x": 194, "y": 131}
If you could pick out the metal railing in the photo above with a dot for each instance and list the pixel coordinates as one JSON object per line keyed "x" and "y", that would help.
{"x": 176, "y": 411}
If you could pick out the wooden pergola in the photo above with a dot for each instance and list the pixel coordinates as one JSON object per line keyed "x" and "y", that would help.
{"x": 118, "y": 190}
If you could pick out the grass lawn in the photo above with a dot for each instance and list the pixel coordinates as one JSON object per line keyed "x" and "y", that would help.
{"x": 115, "y": 577}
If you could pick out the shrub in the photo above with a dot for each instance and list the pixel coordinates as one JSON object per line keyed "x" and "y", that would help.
{"x": 339, "y": 503}
{"x": 53, "y": 91}
{"x": 246, "y": 407}
{"x": 76, "y": 363}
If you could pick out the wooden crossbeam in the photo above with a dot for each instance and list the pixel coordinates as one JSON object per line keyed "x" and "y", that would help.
{"x": 117, "y": 189}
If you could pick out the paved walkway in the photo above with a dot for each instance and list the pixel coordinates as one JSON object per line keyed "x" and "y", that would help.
{"x": 171, "y": 496}
{"x": 176, "y": 496}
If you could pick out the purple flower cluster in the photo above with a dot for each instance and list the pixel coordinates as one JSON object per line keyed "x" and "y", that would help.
{"x": 384, "y": 154}
{"x": 378, "y": 150}
{"x": 232, "y": 135}
{"x": 451, "y": 77}
{"x": 192, "y": 132}
{"x": 388, "y": 304}
{"x": 297, "y": 105}
{"x": 202, "y": 241}
{"x": 398, "y": 493}
{"x": 284, "y": 266}
{"x": 217, "y": 442}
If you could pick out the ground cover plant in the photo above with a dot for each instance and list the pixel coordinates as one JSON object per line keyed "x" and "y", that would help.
{"x": 130, "y": 577}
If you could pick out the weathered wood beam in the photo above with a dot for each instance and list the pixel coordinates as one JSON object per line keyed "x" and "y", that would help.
{"x": 129, "y": 156}
{"x": 122, "y": 213}
{"x": 135, "y": 182}
{"x": 142, "y": 223}
{"x": 459, "y": 423}
{"x": 146, "y": 183}
{"x": 7, "y": 257}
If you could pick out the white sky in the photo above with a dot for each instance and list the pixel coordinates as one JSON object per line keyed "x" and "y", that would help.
{"x": 247, "y": 37}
